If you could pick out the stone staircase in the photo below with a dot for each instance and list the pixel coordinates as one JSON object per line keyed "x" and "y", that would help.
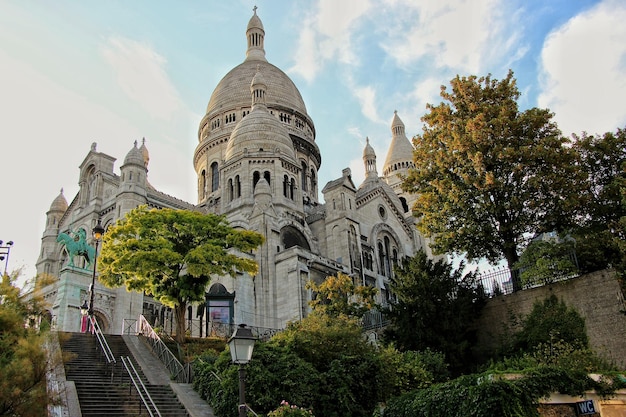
{"x": 105, "y": 390}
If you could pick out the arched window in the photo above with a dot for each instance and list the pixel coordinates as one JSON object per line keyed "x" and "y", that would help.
{"x": 255, "y": 178}
{"x": 381, "y": 259}
{"x": 215, "y": 177}
{"x": 202, "y": 184}
{"x": 230, "y": 190}
{"x": 387, "y": 257}
{"x": 237, "y": 187}
{"x": 285, "y": 186}
{"x": 267, "y": 177}
{"x": 405, "y": 206}
{"x": 292, "y": 187}
{"x": 290, "y": 236}
{"x": 303, "y": 179}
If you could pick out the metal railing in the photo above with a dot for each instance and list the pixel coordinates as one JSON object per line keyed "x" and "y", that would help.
{"x": 504, "y": 281}
{"x": 144, "y": 395}
{"x": 178, "y": 372}
{"x": 102, "y": 342}
{"x": 129, "y": 326}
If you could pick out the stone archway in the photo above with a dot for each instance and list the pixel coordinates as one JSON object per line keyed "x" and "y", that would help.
{"x": 103, "y": 321}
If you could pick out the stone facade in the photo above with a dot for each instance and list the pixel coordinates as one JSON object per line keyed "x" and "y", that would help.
{"x": 257, "y": 163}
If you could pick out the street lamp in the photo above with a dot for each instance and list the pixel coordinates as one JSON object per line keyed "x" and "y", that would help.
{"x": 98, "y": 231}
{"x": 5, "y": 249}
{"x": 241, "y": 344}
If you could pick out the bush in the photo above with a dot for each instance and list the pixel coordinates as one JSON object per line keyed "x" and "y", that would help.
{"x": 287, "y": 410}
{"x": 487, "y": 395}
{"x": 551, "y": 321}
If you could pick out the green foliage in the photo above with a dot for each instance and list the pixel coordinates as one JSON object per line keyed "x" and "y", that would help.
{"x": 550, "y": 321}
{"x": 273, "y": 373}
{"x": 23, "y": 360}
{"x": 290, "y": 410}
{"x": 338, "y": 295}
{"x": 546, "y": 261}
{"x": 601, "y": 209}
{"x": 410, "y": 370}
{"x": 171, "y": 255}
{"x": 487, "y": 174}
{"x": 321, "y": 363}
{"x": 488, "y": 395}
{"x": 551, "y": 357}
{"x": 556, "y": 353}
{"x": 435, "y": 309}
{"x": 597, "y": 250}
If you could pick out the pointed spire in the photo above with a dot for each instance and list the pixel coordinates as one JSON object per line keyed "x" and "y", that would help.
{"x": 397, "y": 126}
{"x": 255, "y": 35}
{"x": 369, "y": 159}
{"x": 400, "y": 153}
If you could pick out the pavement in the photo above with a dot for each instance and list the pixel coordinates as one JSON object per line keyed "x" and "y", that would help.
{"x": 157, "y": 373}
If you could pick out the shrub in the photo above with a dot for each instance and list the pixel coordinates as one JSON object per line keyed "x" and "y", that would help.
{"x": 289, "y": 410}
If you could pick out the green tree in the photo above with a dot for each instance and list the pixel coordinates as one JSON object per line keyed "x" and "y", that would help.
{"x": 487, "y": 174}
{"x": 546, "y": 261}
{"x": 435, "y": 308}
{"x": 23, "y": 360}
{"x": 171, "y": 255}
{"x": 551, "y": 320}
{"x": 600, "y": 207}
{"x": 338, "y": 295}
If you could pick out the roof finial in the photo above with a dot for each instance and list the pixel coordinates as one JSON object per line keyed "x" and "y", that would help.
{"x": 254, "y": 9}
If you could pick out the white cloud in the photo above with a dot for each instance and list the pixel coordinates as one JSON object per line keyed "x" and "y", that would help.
{"x": 141, "y": 75}
{"x": 326, "y": 35}
{"x": 454, "y": 34}
{"x": 584, "y": 71}
{"x": 367, "y": 98}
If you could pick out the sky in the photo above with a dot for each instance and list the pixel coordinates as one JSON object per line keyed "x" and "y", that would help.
{"x": 114, "y": 72}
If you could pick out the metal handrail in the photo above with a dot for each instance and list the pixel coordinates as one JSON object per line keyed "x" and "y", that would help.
{"x": 140, "y": 387}
{"x": 102, "y": 341}
{"x": 178, "y": 372}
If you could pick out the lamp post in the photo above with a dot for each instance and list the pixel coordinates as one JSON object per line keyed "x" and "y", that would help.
{"x": 241, "y": 345}
{"x": 5, "y": 250}
{"x": 98, "y": 231}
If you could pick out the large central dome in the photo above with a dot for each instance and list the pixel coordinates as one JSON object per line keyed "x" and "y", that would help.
{"x": 283, "y": 130}
{"x": 233, "y": 91}
{"x": 231, "y": 98}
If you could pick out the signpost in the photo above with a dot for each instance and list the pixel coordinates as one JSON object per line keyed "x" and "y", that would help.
{"x": 584, "y": 408}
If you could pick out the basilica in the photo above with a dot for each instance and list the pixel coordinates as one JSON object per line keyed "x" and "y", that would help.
{"x": 257, "y": 163}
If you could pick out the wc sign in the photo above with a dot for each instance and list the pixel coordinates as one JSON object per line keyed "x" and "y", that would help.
{"x": 585, "y": 407}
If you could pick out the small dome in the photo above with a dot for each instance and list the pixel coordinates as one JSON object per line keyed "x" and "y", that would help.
{"x": 258, "y": 132}
{"x": 255, "y": 22}
{"x": 134, "y": 156}
{"x": 59, "y": 203}
{"x": 262, "y": 188}
{"x": 368, "y": 152}
{"x": 144, "y": 152}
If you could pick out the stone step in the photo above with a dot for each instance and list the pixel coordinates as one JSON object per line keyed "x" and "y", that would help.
{"x": 99, "y": 394}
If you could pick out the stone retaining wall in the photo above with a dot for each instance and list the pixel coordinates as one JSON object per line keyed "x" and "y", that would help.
{"x": 597, "y": 298}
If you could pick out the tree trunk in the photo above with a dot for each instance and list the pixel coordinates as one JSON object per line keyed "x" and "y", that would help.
{"x": 180, "y": 310}
{"x": 511, "y": 256}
